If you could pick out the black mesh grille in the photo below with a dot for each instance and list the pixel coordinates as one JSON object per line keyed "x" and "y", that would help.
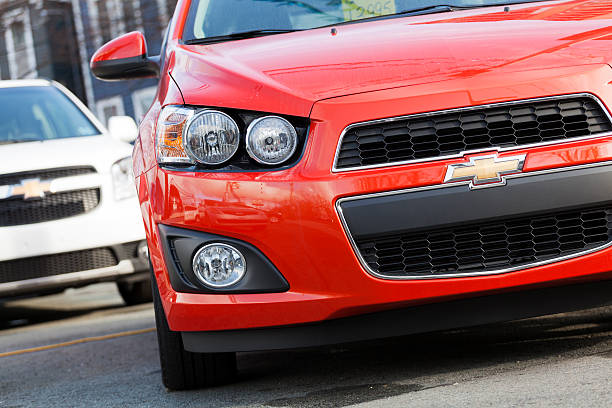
{"x": 51, "y": 207}
{"x": 442, "y": 134}
{"x": 49, "y": 174}
{"x": 51, "y": 265}
{"x": 488, "y": 246}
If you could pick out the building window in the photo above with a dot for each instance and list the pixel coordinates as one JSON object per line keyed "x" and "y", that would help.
{"x": 19, "y": 44}
{"x": 132, "y": 15}
{"x": 112, "y": 18}
{"x": 142, "y": 100}
{"x": 19, "y": 48}
{"x": 171, "y": 6}
{"x": 166, "y": 11}
{"x": 104, "y": 21}
{"x": 110, "y": 107}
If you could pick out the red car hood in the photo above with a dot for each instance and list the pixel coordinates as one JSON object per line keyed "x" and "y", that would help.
{"x": 287, "y": 73}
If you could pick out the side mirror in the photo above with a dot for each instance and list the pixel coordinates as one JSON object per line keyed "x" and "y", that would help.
{"x": 123, "y": 128}
{"x": 124, "y": 57}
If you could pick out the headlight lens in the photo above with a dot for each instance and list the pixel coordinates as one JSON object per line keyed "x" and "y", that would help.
{"x": 123, "y": 179}
{"x": 211, "y": 138}
{"x": 271, "y": 140}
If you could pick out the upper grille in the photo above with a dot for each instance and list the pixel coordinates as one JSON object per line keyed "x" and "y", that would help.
{"x": 52, "y": 207}
{"x": 17, "y": 211}
{"x": 445, "y": 133}
{"x": 488, "y": 247}
{"x": 49, "y": 174}
{"x": 58, "y": 264}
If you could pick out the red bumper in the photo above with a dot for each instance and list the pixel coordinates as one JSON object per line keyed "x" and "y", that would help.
{"x": 290, "y": 215}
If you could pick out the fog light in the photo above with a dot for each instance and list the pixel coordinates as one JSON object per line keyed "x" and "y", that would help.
{"x": 219, "y": 265}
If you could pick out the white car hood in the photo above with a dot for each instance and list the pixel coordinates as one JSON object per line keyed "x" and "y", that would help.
{"x": 98, "y": 151}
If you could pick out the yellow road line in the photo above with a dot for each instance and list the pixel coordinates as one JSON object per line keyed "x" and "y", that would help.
{"x": 77, "y": 341}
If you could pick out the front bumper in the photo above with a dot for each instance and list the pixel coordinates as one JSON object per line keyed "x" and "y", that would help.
{"x": 110, "y": 223}
{"x": 98, "y": 245}
{"x": 402, "y": 322}
{"x": 303, "y": 237}
{"x": 291, "y": 217}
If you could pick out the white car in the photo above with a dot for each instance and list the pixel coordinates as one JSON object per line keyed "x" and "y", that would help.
{"x": 68, "y": 209}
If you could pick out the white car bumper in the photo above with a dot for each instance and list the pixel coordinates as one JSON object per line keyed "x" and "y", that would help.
{"x": 62, "y": 253}
{"x": 108, "y": 224}
{"x": 38, "y": 285}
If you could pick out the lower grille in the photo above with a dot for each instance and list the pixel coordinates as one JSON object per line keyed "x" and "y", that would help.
{"x": 58, "y": 264}
{"x": 488, "y": 247}
{"x": 51, "y": 207}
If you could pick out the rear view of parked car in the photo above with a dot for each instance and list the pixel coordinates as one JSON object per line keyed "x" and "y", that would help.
{"x": 68, "y": 209}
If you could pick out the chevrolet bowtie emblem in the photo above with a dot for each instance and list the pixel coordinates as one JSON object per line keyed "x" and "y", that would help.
{"x": 484, "y": 171}
{"x": 29, "y": 189}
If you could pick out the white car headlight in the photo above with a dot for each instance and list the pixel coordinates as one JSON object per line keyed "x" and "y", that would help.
{"x": 271, "y": 140}
{"x": 123, "y": 179}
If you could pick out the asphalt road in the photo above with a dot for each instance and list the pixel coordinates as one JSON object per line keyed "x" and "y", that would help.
{"x": 556, "y": 361}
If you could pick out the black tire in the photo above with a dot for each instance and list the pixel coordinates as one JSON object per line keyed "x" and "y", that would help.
{"x": 135, "y": 293}
{"x": 184, "y": 370}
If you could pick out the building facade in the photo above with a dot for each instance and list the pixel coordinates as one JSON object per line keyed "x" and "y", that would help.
{"x": 37, "y": 41}
{"x": 99, "y": 21}
{"x": 55, "y": 39}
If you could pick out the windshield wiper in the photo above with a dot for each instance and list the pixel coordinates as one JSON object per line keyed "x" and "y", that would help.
{"x": 438, "y": 8}
{"x": 238, "y": 36}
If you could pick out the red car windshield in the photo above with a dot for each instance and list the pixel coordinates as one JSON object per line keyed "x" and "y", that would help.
{"x": 225, "y": 20}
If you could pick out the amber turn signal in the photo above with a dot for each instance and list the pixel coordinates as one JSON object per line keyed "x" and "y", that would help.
{"x": 169, "y": 135}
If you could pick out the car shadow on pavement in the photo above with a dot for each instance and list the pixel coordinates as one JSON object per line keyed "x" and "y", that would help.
{"x": 361, "y": 372}
{"x": 19, "y": 316}
{"x": 67, "y": 304}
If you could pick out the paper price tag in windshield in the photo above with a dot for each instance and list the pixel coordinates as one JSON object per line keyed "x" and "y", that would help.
{"x": 357, "y": 9}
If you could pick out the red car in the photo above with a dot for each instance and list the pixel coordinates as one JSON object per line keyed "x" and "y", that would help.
{"x": 320, "y": 172}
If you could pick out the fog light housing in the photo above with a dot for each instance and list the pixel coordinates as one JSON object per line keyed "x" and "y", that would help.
{"x": 219, "y": 265}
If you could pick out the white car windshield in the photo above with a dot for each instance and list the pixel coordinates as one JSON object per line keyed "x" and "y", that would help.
{"x": 38, "y": 113}
{"x": 213, "y": 20}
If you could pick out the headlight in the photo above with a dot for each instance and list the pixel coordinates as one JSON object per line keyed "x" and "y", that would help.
{"x": 123, "y": 179}
{"x": 202, "y": 138}
{"x": 211, "y": 137}
{"x": 271, "y": 140}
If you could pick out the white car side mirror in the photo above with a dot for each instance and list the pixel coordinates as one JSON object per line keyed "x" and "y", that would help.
{"x": 123, "y": 128}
